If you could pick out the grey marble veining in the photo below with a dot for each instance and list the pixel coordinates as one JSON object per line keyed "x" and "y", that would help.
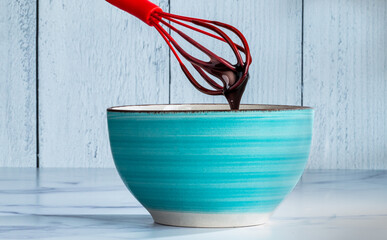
{"x": 94, "y": 204}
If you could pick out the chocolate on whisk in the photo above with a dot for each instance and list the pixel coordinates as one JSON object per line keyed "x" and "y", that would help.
{"x": 233, "y": 77}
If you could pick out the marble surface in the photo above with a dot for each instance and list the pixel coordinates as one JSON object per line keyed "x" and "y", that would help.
{"x": 94, "y": 204}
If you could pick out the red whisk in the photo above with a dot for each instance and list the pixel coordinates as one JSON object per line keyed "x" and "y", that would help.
{"x": 233, "y": 76}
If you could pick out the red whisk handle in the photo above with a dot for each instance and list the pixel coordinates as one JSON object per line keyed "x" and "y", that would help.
{"x": 141, "y": 9}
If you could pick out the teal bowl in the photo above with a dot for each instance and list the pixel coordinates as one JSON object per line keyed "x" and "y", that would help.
{"x": 206, "y": 166}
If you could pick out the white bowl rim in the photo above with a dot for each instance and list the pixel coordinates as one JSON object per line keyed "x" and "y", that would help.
{"x": 157, "y": 108}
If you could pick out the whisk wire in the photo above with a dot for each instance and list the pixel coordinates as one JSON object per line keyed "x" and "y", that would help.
{"x": 208, "y": 79}
{"x": 197, "y": 45}
{"x": 240, "y": 48}
{"x": 168, "y": 39}
{"x": 217, "y": 64}
{"x": 226, "y": 38}
{"x": 181, "y": 50}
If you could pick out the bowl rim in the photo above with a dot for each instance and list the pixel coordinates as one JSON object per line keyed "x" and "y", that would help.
{"x": 166, "y": 108}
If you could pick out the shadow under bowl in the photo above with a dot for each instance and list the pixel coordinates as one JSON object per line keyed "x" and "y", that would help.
{"x": 202, "y": 165}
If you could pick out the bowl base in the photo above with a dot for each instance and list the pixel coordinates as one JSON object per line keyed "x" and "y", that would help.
{"x": 209, "y": 220}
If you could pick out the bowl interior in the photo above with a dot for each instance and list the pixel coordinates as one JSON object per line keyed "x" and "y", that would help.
{"x": 202, "y": 107}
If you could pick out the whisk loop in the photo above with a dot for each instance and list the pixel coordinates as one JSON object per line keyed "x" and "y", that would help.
{"x": 233, "y": 77}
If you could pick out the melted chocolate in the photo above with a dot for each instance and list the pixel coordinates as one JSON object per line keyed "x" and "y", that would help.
{"x": 234, "y": 96}
{"x": 229, "y": 78}
{"x": 233, "y": 77}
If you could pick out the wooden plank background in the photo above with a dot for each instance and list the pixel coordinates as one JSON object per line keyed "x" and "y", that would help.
{"x": 345, "y": 79}
{"x": 92, "y": 56}
{"x": 17, "y": 83}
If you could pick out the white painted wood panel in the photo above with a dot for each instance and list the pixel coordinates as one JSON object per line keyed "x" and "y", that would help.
{"x": 93, "y": 56}
{"x": 346, "y": 81}
{"x": 17, "y": 83}
{"x": 273, "y": 30}
{"x": 88, "y": 61}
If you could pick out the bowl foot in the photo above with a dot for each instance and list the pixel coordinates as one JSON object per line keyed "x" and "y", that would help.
{"x": 208, "y": 220}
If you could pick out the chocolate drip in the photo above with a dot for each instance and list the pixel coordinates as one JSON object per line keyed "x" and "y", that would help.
{"x": 234, "y": 96}
{"x": 228, "y": 78}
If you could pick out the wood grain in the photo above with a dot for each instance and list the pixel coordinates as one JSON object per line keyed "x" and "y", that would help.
{"x": 346, "y": 81}
{"x": 17, "y": 84}
{"x": 93, "y": 56}
{"x": 273, "y": 30}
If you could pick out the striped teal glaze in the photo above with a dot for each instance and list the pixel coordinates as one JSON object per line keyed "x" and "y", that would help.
{"x": 211, "y": 162}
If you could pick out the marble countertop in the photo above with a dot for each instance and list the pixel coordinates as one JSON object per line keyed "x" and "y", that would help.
{"x": 94, "y": 204}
